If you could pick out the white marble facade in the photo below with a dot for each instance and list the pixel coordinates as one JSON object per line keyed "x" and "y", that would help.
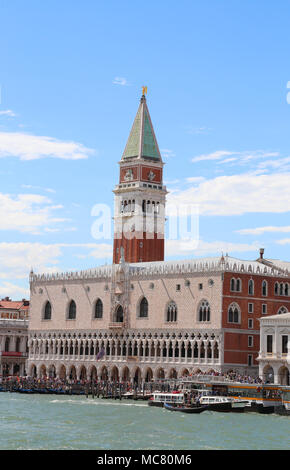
{"x": 175, "y": 331}
{"x": 274, "y": 356}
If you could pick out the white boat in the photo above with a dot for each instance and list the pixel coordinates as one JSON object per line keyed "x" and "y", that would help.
{"x": 219, "y": 403}
{"x": 158, "y": 399}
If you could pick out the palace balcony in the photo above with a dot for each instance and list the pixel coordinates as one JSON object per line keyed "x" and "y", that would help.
{"x": 116, "y": 325}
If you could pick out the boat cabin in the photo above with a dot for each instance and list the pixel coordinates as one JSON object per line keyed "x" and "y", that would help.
{"x": 168, "y": 398}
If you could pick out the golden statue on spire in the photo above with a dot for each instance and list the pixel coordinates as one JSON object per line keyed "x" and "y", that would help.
{"x": 144, "y": 90}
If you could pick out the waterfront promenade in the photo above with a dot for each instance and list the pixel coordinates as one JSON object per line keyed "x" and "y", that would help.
{"x": 111, "y": 389}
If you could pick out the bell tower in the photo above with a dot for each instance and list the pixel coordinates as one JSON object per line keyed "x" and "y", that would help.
{"x": 139, "y": 217}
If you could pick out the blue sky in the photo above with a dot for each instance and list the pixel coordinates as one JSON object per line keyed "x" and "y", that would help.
{"x": 217, "y": 74}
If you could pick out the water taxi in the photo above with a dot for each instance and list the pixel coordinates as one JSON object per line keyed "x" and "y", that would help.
{"x": 159, "y": 398}
{"x": 219, "y": 403}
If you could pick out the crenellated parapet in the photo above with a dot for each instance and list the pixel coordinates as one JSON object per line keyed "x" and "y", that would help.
{"x": 167, "y": 268}
{"x": 101, "y": 273}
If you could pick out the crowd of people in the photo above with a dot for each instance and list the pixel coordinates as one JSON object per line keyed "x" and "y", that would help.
{"x": 109, "y": 387}
{"x": 235, "y": 377}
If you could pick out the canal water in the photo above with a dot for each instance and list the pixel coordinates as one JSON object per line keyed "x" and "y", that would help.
{"x": 52, "y": 422}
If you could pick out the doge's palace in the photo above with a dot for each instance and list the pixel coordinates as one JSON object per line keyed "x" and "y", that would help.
{"x": 142, "y": 317}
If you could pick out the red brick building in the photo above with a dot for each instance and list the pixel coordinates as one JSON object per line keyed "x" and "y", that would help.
{"x": 247, "y": 297}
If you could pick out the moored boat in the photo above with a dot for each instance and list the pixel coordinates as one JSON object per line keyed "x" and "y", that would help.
{"x": 158, "y": 399}
{"x": 185, "y": 409}
{"x": 261, "y": 398}
{"x": 219, "y": 403}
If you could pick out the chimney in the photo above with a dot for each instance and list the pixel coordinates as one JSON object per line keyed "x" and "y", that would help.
{"x": 261, "y": 253}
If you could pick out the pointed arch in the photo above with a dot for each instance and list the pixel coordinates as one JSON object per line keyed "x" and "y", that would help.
{"x": 282, "y": 310}
{"x": 171, "y": 312}
{"x": 239, "y": 285}
{"x": 264, "y": 288}
{"x": 203, "y": 311}
{"x": 233, "y": 284}
{"x": 143, "y": 308}
{"x": 47, "y": 311}
{"x": 251, "y": 287}
{"x": 119, "y": 314}
{"x": 72, "y": 310}
{"x": 234, "y": 313}
{"x": 98, "y": 309}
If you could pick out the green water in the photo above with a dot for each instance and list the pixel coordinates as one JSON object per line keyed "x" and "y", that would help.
{"x": 51, "y": 422}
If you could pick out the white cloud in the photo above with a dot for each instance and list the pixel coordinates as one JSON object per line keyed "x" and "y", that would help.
{"x": 120, "y": 81}
{"x": 32, "y": 147}
{"x": 63, "y": 229}
{"x": 27, "y": 212}
{"x": 7, "y": 112}
{"x": 212, "y": 156}
{"x": 243, "y": 157}
{"x": 227, "y": 160}
{"x": 262, "y": 230}
{"x": 277, "y": 164}
{"x": 237, "y": 194}
{"x": 15, "y": 292}
{"x": 17, "y": 259}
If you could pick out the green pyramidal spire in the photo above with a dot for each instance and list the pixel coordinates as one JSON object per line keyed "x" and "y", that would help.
{"x": 142, "y": 142}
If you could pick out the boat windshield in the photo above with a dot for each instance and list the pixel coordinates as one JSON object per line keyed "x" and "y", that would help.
{"x": 169, "y": 397}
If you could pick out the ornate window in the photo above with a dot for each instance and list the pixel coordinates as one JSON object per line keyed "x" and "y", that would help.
{"x": 47, "y": 311}
{"x": 236, "y": 285}
{"x": 98, "y": 309}
{"x": 276, "y": 288}
{"x": 204, "y": 311}
{"x": 143, "y": 309}
{"x": 234, "y": 313}
{"x": 282, "y": 310}
{"x": 72, "y": 310}
{"x": 171, "y": 315}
